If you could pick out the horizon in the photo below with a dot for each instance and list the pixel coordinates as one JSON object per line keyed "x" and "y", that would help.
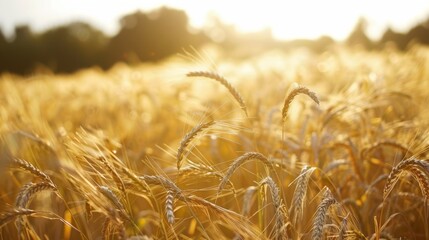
{"x": 296, "y": 20}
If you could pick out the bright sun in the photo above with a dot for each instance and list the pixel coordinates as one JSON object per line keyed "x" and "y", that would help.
{"x": 288, "y": 19}
{"x": 308, "y": 18}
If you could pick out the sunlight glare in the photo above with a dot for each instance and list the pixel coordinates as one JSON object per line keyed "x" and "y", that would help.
{"x": 307, "y": 18}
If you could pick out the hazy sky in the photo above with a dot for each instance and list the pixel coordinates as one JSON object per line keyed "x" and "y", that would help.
{"x": 288, "y": 19}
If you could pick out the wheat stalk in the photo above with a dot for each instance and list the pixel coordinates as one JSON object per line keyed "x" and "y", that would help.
{"x": 113, "y": 223}
{"x": 111, "y": 196}
{"x": 169, "y": 207}
{"x": 135, "y": 179}
{"x": 161, "y": 181}
{"x": 115, "y": 175}
{"x": 353, "y": 160}
{"x": 225, "y": 83}
{"x": 343, "y": 229}
{"x": 423, "y": 180}
{"x": 202, "y": 170}
{"x": 365, "y": 152}
{"x": 28, "y": 191}
{"x": 238, "y": 162}
{"x": 418, "y": 168}
{"x": 293, "y": 94}
{"x": 247, "y": 203}
{"x": 188, "y": 138}
{"x": 10, "y": 215}
{"x": 320, "y": 217}
{"x": 25, "y": 195}
{"x": 410, "y": 165}
{"x": 32, "y": 169}
{"x": 297, "y": 207}
{"x": 275, "y": 194}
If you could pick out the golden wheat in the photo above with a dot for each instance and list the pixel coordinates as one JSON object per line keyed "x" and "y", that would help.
{"x": 278, "y": 207}
{"x": 320, "y": 216}
{"x": 297, "y": 206}
{"x": 169, "y": 208}
{"x": 225, "y": 83}
{"x": 298, "y": 90}
{"x": 120, "y": 168}
{"x": 32, "y": 169}
{"x": 188, "y": 138}
{"x": 410, "y": 165}
{"x": 238, "y": 162}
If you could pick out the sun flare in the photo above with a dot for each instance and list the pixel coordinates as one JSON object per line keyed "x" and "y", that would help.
{"x": 307, "y": 19}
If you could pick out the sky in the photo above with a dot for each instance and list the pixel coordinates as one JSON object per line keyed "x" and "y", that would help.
{"x": 288, "y": 19}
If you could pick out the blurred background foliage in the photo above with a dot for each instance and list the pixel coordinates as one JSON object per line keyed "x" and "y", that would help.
{"x": 155, "y": 35}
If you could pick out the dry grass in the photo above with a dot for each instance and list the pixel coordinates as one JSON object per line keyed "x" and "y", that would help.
{"x": 105, "y": 155}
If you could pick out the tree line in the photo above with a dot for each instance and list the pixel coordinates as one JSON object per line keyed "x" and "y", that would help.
{"x": 142, "y": 37}
{"x": 151, "y": 37}
{"x": 402, "y": 41}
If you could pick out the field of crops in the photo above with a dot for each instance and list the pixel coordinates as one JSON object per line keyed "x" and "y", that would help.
{"x": 276, "y": 146}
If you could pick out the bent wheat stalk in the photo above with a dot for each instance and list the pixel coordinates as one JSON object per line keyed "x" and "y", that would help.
{"x": 297, "y": 207}
{"x": 320, "y": 217}
{"x": 293, "y": 94}
{"x": 418, "y": 168}
{"x": 275, "y": 194}
{"x": 10, "y": 215}
{"x": 32, "y": 169}
{"x": 111, "y": 197}
{"x": 161, "y": 181}
{"x": 238, "y": 162}
{"x": 28, "y": 191}
{"x": 25, "y": 195}
{"x": 188, "y": 138}
{"x": 224, "y": 82}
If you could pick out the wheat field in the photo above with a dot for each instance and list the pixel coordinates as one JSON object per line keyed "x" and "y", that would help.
{"x": 277, "y": 146}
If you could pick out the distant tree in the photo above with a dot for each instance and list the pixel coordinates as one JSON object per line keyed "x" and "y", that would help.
{"x": 23, "y": 51}
{"x": 3, "y": 47}
{"x": 151, "y": 37}
{"x": 358, "y": 35}
{"x": 419, "y": 33}
{"x": 73, "y": 46}
{"x": 2, "y": 38}
{"x": 392, "y": 37}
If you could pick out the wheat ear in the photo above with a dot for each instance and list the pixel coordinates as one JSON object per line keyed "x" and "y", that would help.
{"x": 238, "y": 162}
{"x": 161, "y": 181}
{"x": 32, "y": 169}
{"x": 28, "y": 191}
{"x": 224, "y": 82}
{"x": 111, "y": 196}
{"x": 25, "y": 195}
{"x": 113, "y": 226}
{"x": 418, "y": 168}
{"x": 423, "y": 180}
{"x": 247, "y": 200}
{"x": 115, "y": 175}
{"x": 10, "y": 215}
{"x": 293, "y": 94}
{"x": 297, "y": 207}
{"x": 322, "y": 209}
{"x": 188, "y": 138}
{"x": 169, "y": 207}
{"x": 275, "y": 194}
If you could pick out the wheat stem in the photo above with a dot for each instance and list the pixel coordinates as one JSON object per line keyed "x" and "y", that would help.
{"x": 225, "y": 83}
